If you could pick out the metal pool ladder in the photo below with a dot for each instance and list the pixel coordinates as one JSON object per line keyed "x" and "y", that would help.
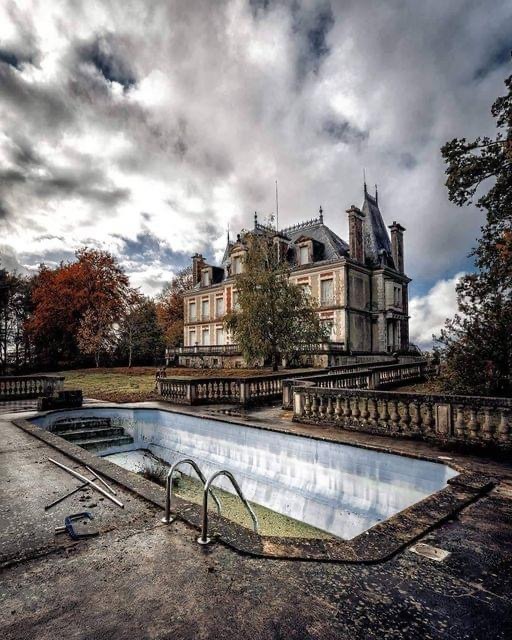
{"x": 203, "y": 538}
{"x": 168, "y": 487}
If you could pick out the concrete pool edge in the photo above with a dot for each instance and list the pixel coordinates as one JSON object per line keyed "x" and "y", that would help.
{"x": 375, "y": 545}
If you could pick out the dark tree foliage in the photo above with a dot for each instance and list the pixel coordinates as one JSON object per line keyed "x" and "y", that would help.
{"x": 140, "y": 339}
{"x": 476, "y": 345}
{"x": 274, "y": 316}
{"x": 170, "y": 307}
{"x": 15, "y": 308}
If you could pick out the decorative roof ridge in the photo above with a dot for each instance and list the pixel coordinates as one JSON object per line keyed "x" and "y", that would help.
{"x": 302, "y": 225}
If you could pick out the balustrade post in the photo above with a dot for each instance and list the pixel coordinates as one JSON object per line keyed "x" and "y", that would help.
{"x": 338, "y": 411}
{"x": 374, "y": 412}
{"x": 487, "y": 426}
{"x": 364, "y": 412}
{"x": 406, "y": 418}
{"x": 460, "y": 424}
{"x": 429, "y": 418}
{"x": 394, "y": 416}
{"x": 416, "y": 417}
{"x": 307, "y": 404}
{"x": 504, "y": 426}
{"x": 473, "y": 424}
{"x": 330, "y": 410}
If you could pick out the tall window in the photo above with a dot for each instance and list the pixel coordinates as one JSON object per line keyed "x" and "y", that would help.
{"x": 205, "y": 309}
{"x": 205, "y": 278}
{"x": 192, "y": 315}
{"x": 328, "y": 323}
{"x": 219, "y": 336}
{"x": 206, "y": 337}
{"x": 304, "y": 255}
{"x": 326, "y": 291}
{"x": 397, "y": 296}
{"x": 219, "y": 307}
{"x": 236, "y": 265}
{"x": 192, "y": 338}
{"x": 306, "y": 288}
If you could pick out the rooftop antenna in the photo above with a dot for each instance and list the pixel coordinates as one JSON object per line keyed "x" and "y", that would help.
{"x": 228, "y": 232}
{"x": 364, "y": 179}
{"x": 376, "y": 194}
{"x": 277, "y": 208}
{"x": 321, "y": 212}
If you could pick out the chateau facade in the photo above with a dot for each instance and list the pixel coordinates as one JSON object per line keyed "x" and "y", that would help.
{"x": 360, "y": 288}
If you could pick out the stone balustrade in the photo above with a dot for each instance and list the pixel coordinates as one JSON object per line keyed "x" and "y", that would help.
{"x": 441, "y": 418}
{"x": 217, "y": 390}
{"x": 370, "y": 375}
{"x": 27, "y": 387}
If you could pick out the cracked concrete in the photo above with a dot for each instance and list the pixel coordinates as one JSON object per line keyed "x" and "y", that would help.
{"x": 141, "y": 579}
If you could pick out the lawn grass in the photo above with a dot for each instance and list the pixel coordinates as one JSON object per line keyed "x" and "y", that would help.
{"x": 121, "y": 384}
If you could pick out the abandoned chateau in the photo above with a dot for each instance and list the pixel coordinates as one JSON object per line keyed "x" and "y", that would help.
{"x": 360, "y": 288}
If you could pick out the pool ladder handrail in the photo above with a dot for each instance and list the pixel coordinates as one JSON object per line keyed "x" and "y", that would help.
{"x": 168, "y": 487}
{"x": 203, "y": 538}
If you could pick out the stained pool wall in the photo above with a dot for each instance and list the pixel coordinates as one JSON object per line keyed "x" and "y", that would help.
{"x": 337, "y": 488}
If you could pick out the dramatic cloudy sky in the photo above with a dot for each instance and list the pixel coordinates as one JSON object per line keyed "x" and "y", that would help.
{"x": 146, "y": 127}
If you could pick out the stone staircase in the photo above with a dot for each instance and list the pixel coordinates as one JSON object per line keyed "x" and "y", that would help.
{"x": 93, "y": 434}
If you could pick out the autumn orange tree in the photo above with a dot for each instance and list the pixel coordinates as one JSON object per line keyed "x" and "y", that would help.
{"x": 170, "y": 307}
{"x": 76, "y": 306}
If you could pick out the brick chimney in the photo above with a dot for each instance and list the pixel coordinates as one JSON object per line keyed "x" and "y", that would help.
{"x": 397, "y": 245}
{"x": 355, "y": 234}
{"x": 197, "y": 264}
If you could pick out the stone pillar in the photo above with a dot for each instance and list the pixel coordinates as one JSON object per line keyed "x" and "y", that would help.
{"x": 397, "y": 246}
{"x": 355, "y": 234}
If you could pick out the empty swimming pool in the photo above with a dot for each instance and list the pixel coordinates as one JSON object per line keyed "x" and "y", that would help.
{"x": 338, "y": 488}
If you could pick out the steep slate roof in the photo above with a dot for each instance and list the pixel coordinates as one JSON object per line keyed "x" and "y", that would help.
{"x": 376, "y": 238}
{"x": 334, "y": 246}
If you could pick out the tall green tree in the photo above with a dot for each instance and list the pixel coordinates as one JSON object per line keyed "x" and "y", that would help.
{"x": 273, "y": 317}
{"x": 476, "y": 344}
{"x": 170, "y": 310}
{"x": 140, "y": 337}
{"x": 15, "y": 308}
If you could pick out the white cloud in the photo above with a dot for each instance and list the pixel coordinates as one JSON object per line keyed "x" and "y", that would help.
{"x": 175, "y": 118}
{"x": 429, "y": 312}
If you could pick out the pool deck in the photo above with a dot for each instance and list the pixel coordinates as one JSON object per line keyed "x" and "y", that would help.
{"x": 142, "y": 579}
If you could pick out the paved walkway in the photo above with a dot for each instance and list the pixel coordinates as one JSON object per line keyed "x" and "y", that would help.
{"x": 140, "y": 579}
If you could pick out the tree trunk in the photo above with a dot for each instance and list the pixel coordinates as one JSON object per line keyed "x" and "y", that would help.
{"x": 275, "y": 362}
{"x": 130, "y": 357}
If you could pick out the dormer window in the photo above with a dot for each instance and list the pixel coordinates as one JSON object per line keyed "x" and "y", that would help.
{"x": 304, "y": 254}
{"x": 205, "y": 278}
{"x": 236, "y": 265}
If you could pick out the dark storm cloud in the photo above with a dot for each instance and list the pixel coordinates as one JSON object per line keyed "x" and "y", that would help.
{"x": 343, "y": 131}
{"x": 188, "y": 112}
{"x": 43, "y": 105}
{"x": 148, "y": 246}
{"x": 311, "y": 28}
{"x": 103, "y": 54}
{"x": 10, "y": 58}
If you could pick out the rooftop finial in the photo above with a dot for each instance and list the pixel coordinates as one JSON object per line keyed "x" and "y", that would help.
{"x": 321, "y": 212}
{"x": 228, "y": 232}
{"x": 364, "y": 179}
{"x": 376, "y": 194}
{"x": 255, "y": 219}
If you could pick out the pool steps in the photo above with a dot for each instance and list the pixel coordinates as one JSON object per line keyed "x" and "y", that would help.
{"x": 91, "y": 433}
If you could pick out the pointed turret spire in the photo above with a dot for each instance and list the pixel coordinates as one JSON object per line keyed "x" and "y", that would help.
{"x": 255, "y": 219}
{"x": 376, "y": 195}
{"x": 364, "y": 180}
{"x": 321, "y": 216}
